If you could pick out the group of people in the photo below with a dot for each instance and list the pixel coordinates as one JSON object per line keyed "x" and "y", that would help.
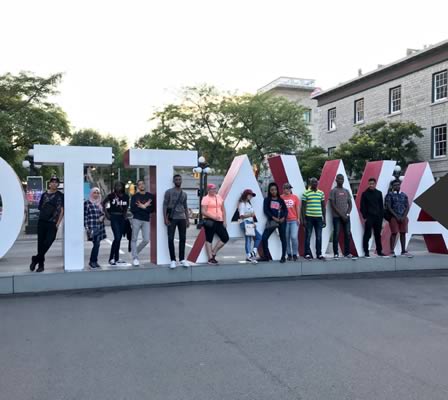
{"x": 284, "y": 212}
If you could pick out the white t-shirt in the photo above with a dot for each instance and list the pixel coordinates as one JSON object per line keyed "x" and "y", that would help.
{"x": 245, "y": 208}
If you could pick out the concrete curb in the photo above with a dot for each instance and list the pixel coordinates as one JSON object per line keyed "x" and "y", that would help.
{"x": 156, "y": 276}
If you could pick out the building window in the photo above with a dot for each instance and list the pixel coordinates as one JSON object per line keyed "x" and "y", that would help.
{"x": 332, "y": 119}
{"x": 440, "y": 86}
{"x": 359, "y": 111}
{"x": 331, "y": 151}
{"x": 307, "y": 116}
{"x": 395, "y": 100}
{"x": 439, "y": 141}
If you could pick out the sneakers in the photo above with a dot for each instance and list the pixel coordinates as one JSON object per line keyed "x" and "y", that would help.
{"x": 185, "y": 263}
{"x": 33, "y": 263}
{"x": 351, "y": 257}
{"x": 136, "y": 262}
{"x": 294, "y": 258}
{"x": 407, "y": 254}
{"x": 289, "y": 257}
{"x": 308, "y": 257}
{"x": 321, "y": 258}
{"x": 173, "y": 265}
{"x": 94, "y": 265}
{"x": 112, "y": 262}
{"x": 282, "y": 260}
{"x": 367, "y": 255}
{"x": 121, "y": 262}
{"x": 336, "y": 257}
{"x": 41, "y": 268}
{"x": 382, "y": 255}
{"x": 212, "y": 261}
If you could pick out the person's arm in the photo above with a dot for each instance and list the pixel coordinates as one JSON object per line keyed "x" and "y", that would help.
{"x": 267, "y": 208}
{"x": 151, "y": 205}
{"x": 61, "y": 214}
{"x": 166, "y": 201}
{"x": 350, "y": 205}
{"x": 86, "y": 216}
{"x": 106, "y": 210}
{"x": 283, "y": 211}
{"x": 134, "y": 207}
{"x": 407, "y": 207}
{"x": 333, "y": 204}
{"x": 125, "y": 209}
{"x": 303, "y": 211}
{"x": 381, "y": 203}
{"x": 41, "y": 200}
{"x": 324, "y": 216}
{"x": 363, "y": 206}
{"x": 185, "y": 203}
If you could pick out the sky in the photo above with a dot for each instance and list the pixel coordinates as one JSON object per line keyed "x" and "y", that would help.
{"x": 123, "y": 60}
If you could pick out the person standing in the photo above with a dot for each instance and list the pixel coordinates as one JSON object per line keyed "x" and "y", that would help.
{"x": 94, "y": 224}
{"x": 292, "y": 221}
{"x": 142, "y": 205}
{"x": 247, "y": 224}
{"x": 372, "y": 211}
{"x": 341, "y": 207}
{"x": 212, "y": 207}
{"x": 397, "y": 205}
{"x": 51, "y": 212}
{"x": 276, "y": 212}
{"x": 116, "y": 206}
{"x": 175, "y": 211}
{"x": 313, "y": 217}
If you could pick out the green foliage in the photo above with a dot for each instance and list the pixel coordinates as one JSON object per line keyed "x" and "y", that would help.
{"x": 27, "y": 117}
{"x": 380, "y": 141}
{"x": 222, "y": 125}
{"x": 311, "y": 161}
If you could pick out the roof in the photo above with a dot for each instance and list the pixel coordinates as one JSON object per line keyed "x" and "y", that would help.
{"x": 289, "y": 83}
{"x": 404, "y": 66}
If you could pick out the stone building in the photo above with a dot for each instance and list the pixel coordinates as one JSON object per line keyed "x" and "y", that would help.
{"x": 414, "y": 88}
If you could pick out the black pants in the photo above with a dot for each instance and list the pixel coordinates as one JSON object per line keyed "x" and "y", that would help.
{"x": 265, "y": 239}
{"x": 46, "y": 234}
{"x": 117, "y": 225}
{"x": 337, "y": 222}
{"x": 216, "y": 229}
{"x": 375, "y": 223}
{"x": 315, "y": 223}
{"x": 181, "y": 225}
{"x": 95, "y": 250}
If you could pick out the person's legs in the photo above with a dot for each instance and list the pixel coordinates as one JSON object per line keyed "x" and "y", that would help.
{"x": 347, "y": 236}
{"x": 136, "y": 226}
{"x": 318, "y": 222}
{"x": 403, "y": 231}
{"x": 247, "y": 239}
{"x": 294, "y": 232}
{"x": 95, "y": 250}
{"x": 171, "y": 231}
{"x": 367, "y": 235}
{"x": 336, "y": 229}
{"x": 221, "y": 231}
{"x": 209, "y": 234}
{"x": 257, "y": 241}
{"x": 41, "y": 237}
{"x": 377, "y": 226}
{"x": 288, "y": 229}
{"x": 144, "y": 226}
{"x": 265, "y": 241}
{"x": 182, "y": 229}
{"x": 282, "y": 232}
{"x": 308, "y": 232}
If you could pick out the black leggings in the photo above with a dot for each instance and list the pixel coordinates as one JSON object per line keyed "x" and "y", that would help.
{"x": 216, "y": 229}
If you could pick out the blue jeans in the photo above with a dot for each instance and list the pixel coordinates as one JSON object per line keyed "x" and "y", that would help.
{"x": 316, "y": 223}
{"x": 256, "y": 238}
{"x": 337, "y": 222}
{"x": 95, "y": 250}
{"x": 292, "y": 237}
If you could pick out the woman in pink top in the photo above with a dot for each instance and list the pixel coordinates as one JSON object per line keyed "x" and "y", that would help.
{"x": 212, "y": 207}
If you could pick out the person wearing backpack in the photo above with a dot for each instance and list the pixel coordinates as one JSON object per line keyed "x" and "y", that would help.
{"x": 51, "y": 212}
{"x": 175, "y": 211}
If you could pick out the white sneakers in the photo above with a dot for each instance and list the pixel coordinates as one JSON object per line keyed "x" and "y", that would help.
{"x": 136, "y": 262}
{"x": 185, "y": 263}
{"x": 173, "y": 265}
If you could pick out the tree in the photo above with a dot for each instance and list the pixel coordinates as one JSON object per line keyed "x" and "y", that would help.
{"x": 380, "y": 141}
{"x": 222, "y": 125}
{"x": 311, "y": 161}
{"x": 266, "y": 124}
{"x": 28, "y": 117}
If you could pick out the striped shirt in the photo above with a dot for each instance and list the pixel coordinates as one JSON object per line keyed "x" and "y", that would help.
{"x": 313, "y": 200}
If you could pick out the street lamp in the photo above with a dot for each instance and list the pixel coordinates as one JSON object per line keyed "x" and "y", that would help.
{"x": 203, "y": 170}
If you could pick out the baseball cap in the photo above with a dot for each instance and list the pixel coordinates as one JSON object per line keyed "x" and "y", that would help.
{"x": 249, "y": 192}
{"x": 211, "y": 186}
{"x": 55, "y": 178}
{"x": 287, "y": 185}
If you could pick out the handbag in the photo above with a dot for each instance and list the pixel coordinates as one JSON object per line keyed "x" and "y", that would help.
{"x": 271, "y": 224}
{"x": 249, "y": 229}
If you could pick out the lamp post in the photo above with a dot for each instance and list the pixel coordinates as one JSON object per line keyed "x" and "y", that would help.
{"x": 203, "y": 170}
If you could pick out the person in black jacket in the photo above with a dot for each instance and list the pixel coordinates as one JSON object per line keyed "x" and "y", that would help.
{"x": 372, "y": 211}
{"x": 276, "y": 211}
{"x": 142, "y": 205}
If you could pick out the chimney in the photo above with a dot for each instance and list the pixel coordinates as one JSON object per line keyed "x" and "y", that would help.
{"x": 410, "y": 52}
{"x": 359, "y": 72}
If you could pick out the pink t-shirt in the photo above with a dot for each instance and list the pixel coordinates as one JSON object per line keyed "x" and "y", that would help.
{"x": 292, "y": 201}
{"x": 214, "y": 206}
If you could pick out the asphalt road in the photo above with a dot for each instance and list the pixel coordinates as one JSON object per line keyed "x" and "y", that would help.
{"x": 363, "y": 339}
